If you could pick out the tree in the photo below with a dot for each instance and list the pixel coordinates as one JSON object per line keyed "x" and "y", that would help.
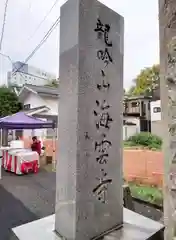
{"x": 9, "y": 103}
{"x": 53, "y": 83}
{"x": 146, "y": 81}
{"x": 131, "y": 90}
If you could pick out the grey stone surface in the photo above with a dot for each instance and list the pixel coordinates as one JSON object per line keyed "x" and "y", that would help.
{"x": 127, "y": 197}
{"x": 30, "y": 197}
{"x": 83, "y": 107}
{"x": 136, "y": 227}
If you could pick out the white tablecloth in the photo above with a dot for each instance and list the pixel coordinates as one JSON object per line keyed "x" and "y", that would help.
{"x": 20, "y": 161}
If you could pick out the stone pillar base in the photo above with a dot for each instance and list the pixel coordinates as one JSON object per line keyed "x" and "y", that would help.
{"x": 135, "y": 227}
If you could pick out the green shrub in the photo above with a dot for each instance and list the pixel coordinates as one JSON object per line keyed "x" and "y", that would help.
{"x": 147, "y": 193}
{"x": 146, "y": 139}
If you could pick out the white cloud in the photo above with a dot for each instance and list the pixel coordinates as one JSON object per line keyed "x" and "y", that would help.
{"x": 141, "y": 33}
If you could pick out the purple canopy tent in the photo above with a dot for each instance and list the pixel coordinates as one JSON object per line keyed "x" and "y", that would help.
{"x": 21, "y": 120}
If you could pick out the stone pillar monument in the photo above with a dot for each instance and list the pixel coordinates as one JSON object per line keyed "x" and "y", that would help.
{"x": 167, "y": 24}
{"x": 89, "y": 199}
{"x": 89, "y": 170}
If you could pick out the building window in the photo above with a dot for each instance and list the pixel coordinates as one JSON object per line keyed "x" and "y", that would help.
{"x": 134, "y": 104}
{"x": 156, "y": 109}
{"x": 148, "y": 105}
{"x": 27, "y": 106}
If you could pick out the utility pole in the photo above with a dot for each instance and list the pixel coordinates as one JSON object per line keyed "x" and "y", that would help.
{"x": 167, "y": 28}
{"x": 3, "y": 28}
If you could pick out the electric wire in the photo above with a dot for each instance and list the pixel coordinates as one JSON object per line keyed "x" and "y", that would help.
{"x": 44, "y": 39}
{"x": 43, "y": 20}
{"x": 9, "y": 58}
{"x": 41, "y": 42}
{"x": 4, "y": 22}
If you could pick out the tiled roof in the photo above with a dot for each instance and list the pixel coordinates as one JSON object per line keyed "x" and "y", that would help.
{"x": 43, "y": 90}
{"x": 33, "y": 109}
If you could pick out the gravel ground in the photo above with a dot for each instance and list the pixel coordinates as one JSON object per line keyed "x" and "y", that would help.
{"x": 30, "y": 197}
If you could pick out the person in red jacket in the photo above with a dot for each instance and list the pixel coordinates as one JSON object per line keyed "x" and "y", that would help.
{"x": 36, "y": 145}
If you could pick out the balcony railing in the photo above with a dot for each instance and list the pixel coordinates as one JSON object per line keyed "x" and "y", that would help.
{"x": 134, "y": 110}
{"x": 131, "y": 110}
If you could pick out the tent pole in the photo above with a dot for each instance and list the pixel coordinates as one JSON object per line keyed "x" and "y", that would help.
{"x": 1, "y": 155}
{"x": 1, "y": 137}
{"x": 54, "y": 150}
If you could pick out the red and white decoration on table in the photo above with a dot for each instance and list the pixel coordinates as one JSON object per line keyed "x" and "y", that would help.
{"x": 20, "y": 161}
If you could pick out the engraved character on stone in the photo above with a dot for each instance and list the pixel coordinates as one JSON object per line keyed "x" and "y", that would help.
{"x": 100, "y": 28}
{"x": 101, "y": 189}
{"x": 104, "y": 85}
{"x": 103, "y": 29}
{"x": 105, "y": 56}
{"x": 102, "y": 148}
{"x": 104, "y": 119}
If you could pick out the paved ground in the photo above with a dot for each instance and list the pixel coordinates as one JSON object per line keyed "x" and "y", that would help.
{"x": 30, "y": 197}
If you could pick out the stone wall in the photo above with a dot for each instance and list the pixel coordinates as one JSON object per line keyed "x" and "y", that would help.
{"x": 142, "y": 166}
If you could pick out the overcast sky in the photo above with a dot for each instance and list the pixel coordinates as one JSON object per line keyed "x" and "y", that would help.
{"x": 23, "y": 16}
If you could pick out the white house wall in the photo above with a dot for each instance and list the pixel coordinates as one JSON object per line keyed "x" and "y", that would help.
{"x": 155, "y": 116}
{"x": 133, "y": 120}
{"x": 52, "y": 104}
{"x": 156, "y": 122}
{"x": 36, "y": 101}
{"x": 130, "y": 130}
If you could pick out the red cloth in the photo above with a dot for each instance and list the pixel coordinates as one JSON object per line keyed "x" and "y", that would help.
{"x": 36, "y": 146}
{"x": 27, "y": 166}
